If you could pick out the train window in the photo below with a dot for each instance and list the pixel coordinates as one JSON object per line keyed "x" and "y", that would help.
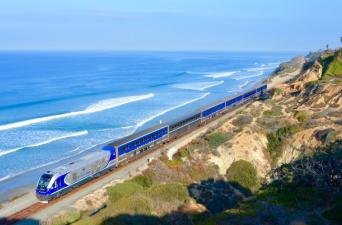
{"x": 44, "y": 180}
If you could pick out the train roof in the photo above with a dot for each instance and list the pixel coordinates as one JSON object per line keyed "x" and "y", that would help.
{"x": 176, "y": 119}
{"x": 225, "y": 99}
{"x": 83, "y": 161}
{"x": 217, "y": 102}
{"x": 136, "y": 135}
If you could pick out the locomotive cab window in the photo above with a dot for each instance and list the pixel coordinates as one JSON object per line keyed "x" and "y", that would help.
{"x": 44, "y": 180}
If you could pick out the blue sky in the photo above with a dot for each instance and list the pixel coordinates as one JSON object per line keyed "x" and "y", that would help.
{"x": 224, "y": 25}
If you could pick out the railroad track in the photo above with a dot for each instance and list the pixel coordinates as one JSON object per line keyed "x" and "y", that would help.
{"x": 37, "y": 207}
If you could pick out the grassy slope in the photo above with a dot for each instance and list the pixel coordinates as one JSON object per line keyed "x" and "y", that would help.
{"x": 332, "y": 65}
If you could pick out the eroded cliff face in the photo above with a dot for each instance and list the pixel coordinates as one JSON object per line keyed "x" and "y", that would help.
{"x": 314, "y": 107}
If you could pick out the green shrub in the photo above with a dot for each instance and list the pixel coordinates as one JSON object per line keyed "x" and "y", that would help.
{"x": 168, "y": 192}
{"x": 137, "y": 204}
{"x": 302, "y": 116}
{"x": 184, "y": 152}
{"x": 275, "y": 139}
{"x": 274, "y": 142}
{"x": 124, "y": 189}
{"x": 244, "y": 174}
{"x": 242, "y": 120}
{"x": 143, "y": 181}
{"x": 271, "y": 113}
{"x": 217, "y": 138}
{"x": 174, "y": 163}
{"x": 241, "y": 111}
{"x": 278, "y": 91}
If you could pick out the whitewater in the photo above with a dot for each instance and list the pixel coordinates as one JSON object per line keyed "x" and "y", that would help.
{"x": 56, "y": 107}
{"x": 97, "y": 107}
{"x": 70, "y": 135}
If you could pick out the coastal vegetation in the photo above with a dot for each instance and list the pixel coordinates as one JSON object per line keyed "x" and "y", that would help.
{"x": 217, "y": 138}
{"x": 278, "y": 161}
{"x": 271, "y": 113}
{"x": 244, "y": 174}
{"x": 302, "y": 116}
{"x": 275, "y": 140}
{"x": 332, "y": 64}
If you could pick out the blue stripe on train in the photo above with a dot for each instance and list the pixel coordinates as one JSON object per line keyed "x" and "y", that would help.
{"x": 111, "y": 149}
{"x": 213, "y": 109}
{"x": 143, "y": 140}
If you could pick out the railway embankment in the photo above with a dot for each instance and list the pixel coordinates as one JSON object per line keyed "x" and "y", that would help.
{"x": 276, "y": 160}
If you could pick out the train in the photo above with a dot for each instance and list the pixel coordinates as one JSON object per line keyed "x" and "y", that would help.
{"x": 62, "y": 179}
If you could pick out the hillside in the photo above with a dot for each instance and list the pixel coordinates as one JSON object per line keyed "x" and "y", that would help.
{"x": 332, "y": 63}
{"x": 277, "y": 161}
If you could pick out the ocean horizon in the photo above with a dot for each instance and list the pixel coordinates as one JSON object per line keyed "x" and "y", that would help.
{"x": 56, "y": 106}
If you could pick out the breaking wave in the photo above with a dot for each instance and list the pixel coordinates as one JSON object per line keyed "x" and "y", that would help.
{"x": 97, "y": 107}
{"x": 5, "y": 152}
{"x": 223, "y": 74}
{"x": 262, "y": 68}
{"x": 244, "y": 84}
{"x": 4, "y": 178}
{"x": 198, "y": 86}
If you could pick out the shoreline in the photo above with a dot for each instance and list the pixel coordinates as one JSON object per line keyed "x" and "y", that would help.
{"x": 185, "y": 140}
{"x": 28, "y": 185}
{"x": 147, "y": 124}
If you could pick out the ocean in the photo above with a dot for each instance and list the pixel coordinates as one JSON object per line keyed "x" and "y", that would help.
{"x": 56, "y": 106}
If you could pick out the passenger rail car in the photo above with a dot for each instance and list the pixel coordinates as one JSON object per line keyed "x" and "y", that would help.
{"x": 184, "y": 124}
{"x": 62, "y": 179}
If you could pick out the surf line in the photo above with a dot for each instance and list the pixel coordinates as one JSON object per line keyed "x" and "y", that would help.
{"x": 97, "y": 107}
{"x": 76, "y": 134}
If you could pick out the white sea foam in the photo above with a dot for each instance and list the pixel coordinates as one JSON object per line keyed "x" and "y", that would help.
{"x": 244, "y": 84}
{"x": 168, "y": 110}
{"x": 97, "y": 107}
{"x": 249, "y": 76}
{"x": 198, "y": 86}
{"x": 222, "y": 74}
{"x": 262, "y": 68}
{"x": 75, "y": 134}
{"x": 4, "y": 178}
{"x": 232, "y": 91}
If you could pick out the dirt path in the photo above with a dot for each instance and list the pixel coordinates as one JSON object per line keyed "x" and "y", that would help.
{"x": 275, "y": 81}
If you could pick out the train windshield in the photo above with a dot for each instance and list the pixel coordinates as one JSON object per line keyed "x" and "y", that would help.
{"x": 44, "y": 180}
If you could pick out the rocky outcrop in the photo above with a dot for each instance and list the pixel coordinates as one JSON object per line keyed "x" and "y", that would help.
{"x": 248, "y": 145}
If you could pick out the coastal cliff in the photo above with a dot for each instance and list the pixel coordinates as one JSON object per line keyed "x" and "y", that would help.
{"x": 276, "y": 160}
